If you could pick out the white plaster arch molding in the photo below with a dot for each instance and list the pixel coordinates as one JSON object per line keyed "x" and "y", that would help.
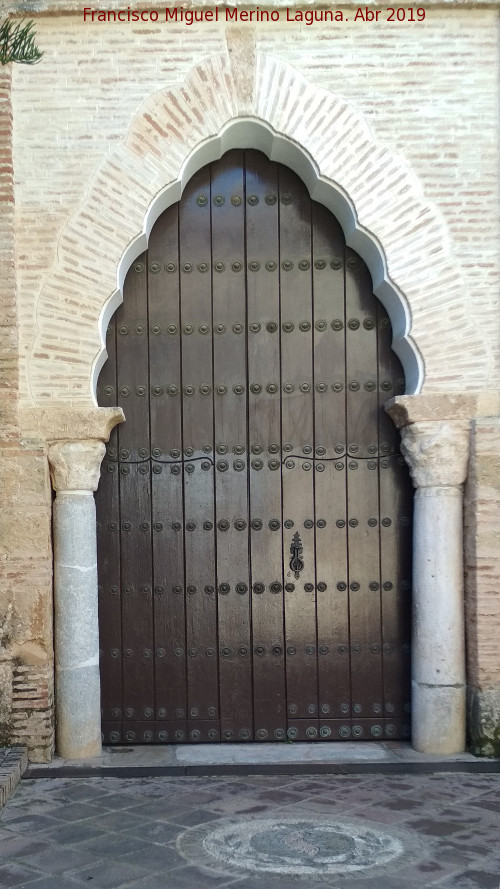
{"x": 271, "y": 107}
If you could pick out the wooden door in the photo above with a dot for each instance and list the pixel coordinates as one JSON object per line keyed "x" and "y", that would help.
{"x": 254, "y": 511}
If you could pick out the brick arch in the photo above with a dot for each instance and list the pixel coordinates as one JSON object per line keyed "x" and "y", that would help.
{"x": 226, "y": 104}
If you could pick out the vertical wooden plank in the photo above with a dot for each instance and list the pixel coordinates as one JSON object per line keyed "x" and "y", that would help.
{"x": 364, "y": 590}
{"x": 298, "y": 444}
{"x": 166, "y": 479}
{"x": 135, "y": 504}
{"x": 137, "y": 612}
{"x": 361, "y": 360}
{"x": 329, "y": 334}
{"x": 108, "y": 559}
{"x": 169, "y": 610}
{"x": 198, "y": 447}
{"x": 330, "y": 493}
{"x": 396, "y": 509}
{"x": 133, "y": 364}
{"x": 230, "y": 415}
{"x": 164, "y": 337}
{"x": 265, "y": 446}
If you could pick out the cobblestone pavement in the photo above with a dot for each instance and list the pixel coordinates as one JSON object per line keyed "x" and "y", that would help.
{"x": 407, "y": 831}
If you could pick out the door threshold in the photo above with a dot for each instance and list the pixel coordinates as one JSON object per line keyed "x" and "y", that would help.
{"x": 305, "y": 758}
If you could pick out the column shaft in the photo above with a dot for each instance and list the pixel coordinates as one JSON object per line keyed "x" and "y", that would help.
{"x": 76, "y": 625}
{"x": 438, "y": 662}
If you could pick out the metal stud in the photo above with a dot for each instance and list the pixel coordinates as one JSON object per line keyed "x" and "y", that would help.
{"x": 256, "y": 388}
{"x": 271, "y": 327}
{"x": 205, "y": 389}
{"x": 238, "y": 328}
{"x": 289, "y": 587}
{"x": 261, "y": 734}
{"x": 238, "y": 389}
{"x": 219, "y": 267}
{"x": 341, "y": 586}
{"x": 236, "y": 200}
{"x": 257, "y": 464}
{"x": 276, "y": 587}
{"x": 304, "y": 326}
{"x": 289, "y": 388}
{"x": 221, "y": 390}
{"x": 291, "y": 650}
{"x": 241, "y": 588}
{"x": 322, "y": 387}
{"x": 289, "y": 523}
{"x": 256, "y": 524}
{"x": 224, "y": 589}
{"x": 255, "y": 327}
{"x": 286, "y": 198}
{"x": 223, "y": 525}
{"x": 304, "y": 265}
{"x": 254, "y": 266}
{"x": 172, "y": 390}
{"x": 258, "y": 588}
{"x": 271, "y": 266}
{"x": 309, "y": 587}
{"x": 322, "y": 587}
{"x": 354, "y": 386}
{"x": 272, "y": 388}
{"x": 338, "y": 386}
{"x": 240, "y": 525}
{"x": 274, "y": 464}
{"x": 239, "y": 465}
{"x": 260, "y": 650}
{"x": 274, "y": 524}
{"x": 288, "y": 327}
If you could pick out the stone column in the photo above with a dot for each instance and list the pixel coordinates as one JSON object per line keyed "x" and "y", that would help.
{"x": 437, "y": 454}
{"x": 75, "y": 467}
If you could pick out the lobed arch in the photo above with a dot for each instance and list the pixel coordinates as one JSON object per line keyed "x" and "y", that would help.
{"x": 267, "y": 105}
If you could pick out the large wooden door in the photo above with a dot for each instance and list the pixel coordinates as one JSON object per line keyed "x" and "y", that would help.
{"x": 254, "y": 512}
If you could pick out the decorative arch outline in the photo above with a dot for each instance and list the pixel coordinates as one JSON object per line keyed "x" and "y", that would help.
{"x": 273, "y": 108}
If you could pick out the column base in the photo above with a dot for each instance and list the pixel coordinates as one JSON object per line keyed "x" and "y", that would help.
{"x": 438, "y": 718}
{"x": 78, "y": 731}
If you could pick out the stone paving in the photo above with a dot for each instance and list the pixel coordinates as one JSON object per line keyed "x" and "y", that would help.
{"x": 383, "y": 831}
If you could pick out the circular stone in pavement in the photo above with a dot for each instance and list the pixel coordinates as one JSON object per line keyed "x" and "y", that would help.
{"x": 293, "y": 846}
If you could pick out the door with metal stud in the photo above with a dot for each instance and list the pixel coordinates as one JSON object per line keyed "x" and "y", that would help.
{"x": 254, "y": 511}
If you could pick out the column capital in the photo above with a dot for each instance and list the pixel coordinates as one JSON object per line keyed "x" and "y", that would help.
{"x": 75, "y": 465}
{"x": 437, "y": 452}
